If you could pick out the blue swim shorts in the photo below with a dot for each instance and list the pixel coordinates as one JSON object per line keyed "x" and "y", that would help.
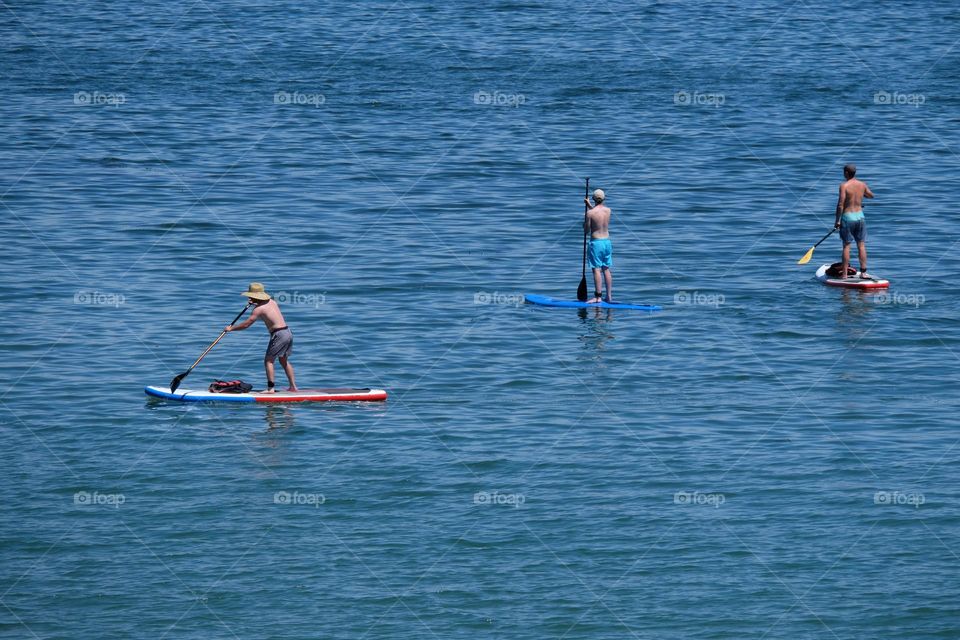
{"x": 853, "y": 228}
{"x": 600, "y": 253}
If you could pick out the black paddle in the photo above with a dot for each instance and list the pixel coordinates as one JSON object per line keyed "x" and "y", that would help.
{"x": 582, "y": 289}
{"x": 176, "y": 381}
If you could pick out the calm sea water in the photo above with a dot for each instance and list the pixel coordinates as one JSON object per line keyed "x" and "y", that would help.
{"x": 765, "y": 458}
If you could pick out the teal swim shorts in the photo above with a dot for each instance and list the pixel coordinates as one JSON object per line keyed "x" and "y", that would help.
{"x": 600, "y": 253}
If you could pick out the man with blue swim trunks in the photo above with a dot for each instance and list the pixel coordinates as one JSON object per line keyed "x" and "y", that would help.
{"x": 853, "y": 228}
{"x": 600, "y": 251}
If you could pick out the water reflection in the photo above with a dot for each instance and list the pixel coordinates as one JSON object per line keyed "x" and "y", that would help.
{"x": 597, "y": 325}
{"x": 278, "y": 418}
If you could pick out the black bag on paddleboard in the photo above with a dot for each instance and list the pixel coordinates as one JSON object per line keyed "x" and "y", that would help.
{"x": 230, "y": 386}
{"x": 836, "y": 270}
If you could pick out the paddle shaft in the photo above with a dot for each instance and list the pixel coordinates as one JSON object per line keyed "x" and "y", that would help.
{"x": 179, "y": 378}
{"x": 586, "y": 194}
{"x": 219, "y": 338}
{"x": 582, "y": 289}
{"x": 825, "y": 237}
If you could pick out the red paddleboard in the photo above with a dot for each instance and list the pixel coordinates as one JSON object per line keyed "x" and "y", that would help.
{"x": 303, "y": 395}
{"x": 851, "y": 282}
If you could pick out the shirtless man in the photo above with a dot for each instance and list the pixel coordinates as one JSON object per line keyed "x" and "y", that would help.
{"x": 281, "y": 340}
{"x": 853, "y": 228}
{"x": 600, "y": 253}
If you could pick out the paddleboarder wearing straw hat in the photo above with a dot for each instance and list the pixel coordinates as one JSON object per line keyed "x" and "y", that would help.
{"x": 281, "y": 339}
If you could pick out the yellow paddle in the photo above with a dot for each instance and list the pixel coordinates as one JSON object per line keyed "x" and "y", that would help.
{"x": 809, "y": 254}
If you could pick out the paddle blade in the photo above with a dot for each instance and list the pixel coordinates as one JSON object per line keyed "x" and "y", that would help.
{"x": 806, "y": 257}
{"x": 582, "y": 290}
{"x": 176, "y": 381}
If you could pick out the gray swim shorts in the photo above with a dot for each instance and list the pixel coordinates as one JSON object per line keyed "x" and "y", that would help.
{"x": 281, "y": 344}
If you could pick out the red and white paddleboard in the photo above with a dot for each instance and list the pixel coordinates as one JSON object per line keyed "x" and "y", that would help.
{"x": 303, "y": 395}
{"x": 851, "y": 282}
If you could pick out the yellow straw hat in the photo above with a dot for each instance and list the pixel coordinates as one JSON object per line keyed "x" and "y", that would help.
{"x": 256, "y": 292}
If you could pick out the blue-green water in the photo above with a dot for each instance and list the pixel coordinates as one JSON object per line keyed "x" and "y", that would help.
{"x": 765, "y": 458}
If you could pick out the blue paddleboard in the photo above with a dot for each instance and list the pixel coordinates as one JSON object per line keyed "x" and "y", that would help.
{"x": 547, "y": 301}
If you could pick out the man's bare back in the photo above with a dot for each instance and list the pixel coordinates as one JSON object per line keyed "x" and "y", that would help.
{"x": 597, "y": 223}
{"x": 852, "y": 193}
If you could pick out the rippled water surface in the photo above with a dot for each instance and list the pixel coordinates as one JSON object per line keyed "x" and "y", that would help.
{"x": 765, "y": 458}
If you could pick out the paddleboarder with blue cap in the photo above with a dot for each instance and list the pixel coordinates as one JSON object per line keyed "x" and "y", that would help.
{"x": 600, "y": 251}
